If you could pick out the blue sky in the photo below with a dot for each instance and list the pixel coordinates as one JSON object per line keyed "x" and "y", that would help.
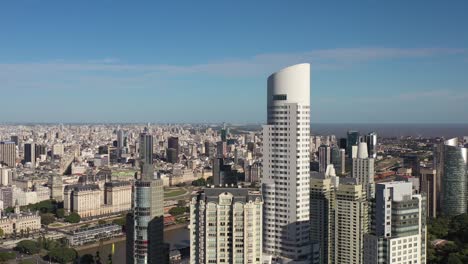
{"x": 207, "y": 61}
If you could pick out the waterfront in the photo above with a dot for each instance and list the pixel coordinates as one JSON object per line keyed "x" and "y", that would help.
{"x": 177, "y": 238}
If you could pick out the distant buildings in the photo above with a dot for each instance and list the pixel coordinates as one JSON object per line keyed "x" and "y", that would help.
{"x": 399, "y": 226}
{"x": 89, "y": 200}
{"x": 17, "y": 222}
{"x": 30, "y": 153}
{"x": 226, "y": 226}
{"x": 8, "y": 153}
{"x": 363, "y": 169}
{"x": 371, "y": 140}
{"x": 338, "y": 159}
{"x": 285, "y": 183}
{"x": 352, "y": 139}
{"x": 324, "y": 156}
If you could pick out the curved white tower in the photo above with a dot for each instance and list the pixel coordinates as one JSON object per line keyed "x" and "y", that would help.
{"x": 285, "y": 182}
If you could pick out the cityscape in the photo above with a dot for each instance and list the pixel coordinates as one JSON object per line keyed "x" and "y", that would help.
{"x": 283, "y": 169}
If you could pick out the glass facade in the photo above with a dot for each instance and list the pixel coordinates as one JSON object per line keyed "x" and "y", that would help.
{"x": 454, "y": 182}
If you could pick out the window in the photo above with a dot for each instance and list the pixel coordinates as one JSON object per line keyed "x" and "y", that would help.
{"x": 279, "y": 97}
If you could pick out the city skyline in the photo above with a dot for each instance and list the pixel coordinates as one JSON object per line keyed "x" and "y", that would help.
{"x": 405, "y": 62}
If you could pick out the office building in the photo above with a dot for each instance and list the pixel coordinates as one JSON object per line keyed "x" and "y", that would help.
{"x": 39, "y": 150}
{"x": 226, "y": 226}
{"x": 30, "y": 153}
{"x": 285, "y": 182}
{"x": 324, "y": 157}
{"x": 451, "y": 161}
{"x": 363, "y": 169}
{"x": 56, "y": 187}
{"x": 171, "y": 155}
{"x": 15, "y": 139}
{"x": 84, "y": 200}
{"x": 8, "y": 153}
{"x": 338, "y": 159}
{"x": 173, "y": 143}
{"x": 371, "y": 140}
{"x": 412, "y": 162}
{"x": 429, "y": 187}
{"x": 398, "y": 232}
{"x": 352, "y": 139}
{"x": 145, "y": 235}
{"x": 221, "y": 149}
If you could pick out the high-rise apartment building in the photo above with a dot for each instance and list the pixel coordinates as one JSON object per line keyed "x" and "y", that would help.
{"x": 8, "y": 153}
{"x": 363, "y": 169}
{"x": 145, "y": 237}
{"x": 352, "y": 222}
{"x": 324, "y": 157}
{"x": 451, "y": 160}
{"x": 285, "y": 183}
{"x": 226, "y": 226}
{"x": 323, "y": 188}
{"x": 398, "y": 232}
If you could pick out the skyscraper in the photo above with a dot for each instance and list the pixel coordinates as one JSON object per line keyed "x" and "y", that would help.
{"x": 352, "y": 139}
{"x": 363, "y": 169}
{"x": 338, "y": 159}
{"x": 226, "y": 226}
{"x": 285, "y": 182}
{"x": 8, "y": 153}
{"x": 371, "y": 140}
{"x": 428, "y": 182}
{"x": 30, "y": 153}
{"x": 145, "y": 237}
{"x": 352, "y": 222}
{"x": 173, "y": 143}
{"x": 322, "y": 214}
{"x": 324, "y": 157}
{"x": 398, "y": 232}
{"x": 451, "y": 164}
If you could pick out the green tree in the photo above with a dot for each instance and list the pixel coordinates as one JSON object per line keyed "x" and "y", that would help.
{"x": 454, "y": 259}
{"x": 62, "y": 255}
{"x": 177, "y": 210}
{"x": 60, "y": 213}
{"x": 47, "y": 218}
{"x": 102, "y": 222}
{"x": 199, "y": 182}
{"x": 28, "y": 247}
{"x": 73, "y": 218}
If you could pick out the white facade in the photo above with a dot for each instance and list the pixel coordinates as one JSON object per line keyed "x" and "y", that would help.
{"x": 399, "y": 234}
{"x": 286, "y": 169}
{"x": 363, "y": 169}
{"x": 226, "y": 226}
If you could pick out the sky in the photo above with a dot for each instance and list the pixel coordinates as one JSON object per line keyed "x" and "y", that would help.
{"x": 208, "y": 61}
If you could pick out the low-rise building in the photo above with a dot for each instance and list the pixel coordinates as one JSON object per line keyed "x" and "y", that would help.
{"x": 93, "y": 234}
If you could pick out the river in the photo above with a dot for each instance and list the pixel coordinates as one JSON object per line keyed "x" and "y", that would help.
{"x": 177, "y": 238}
